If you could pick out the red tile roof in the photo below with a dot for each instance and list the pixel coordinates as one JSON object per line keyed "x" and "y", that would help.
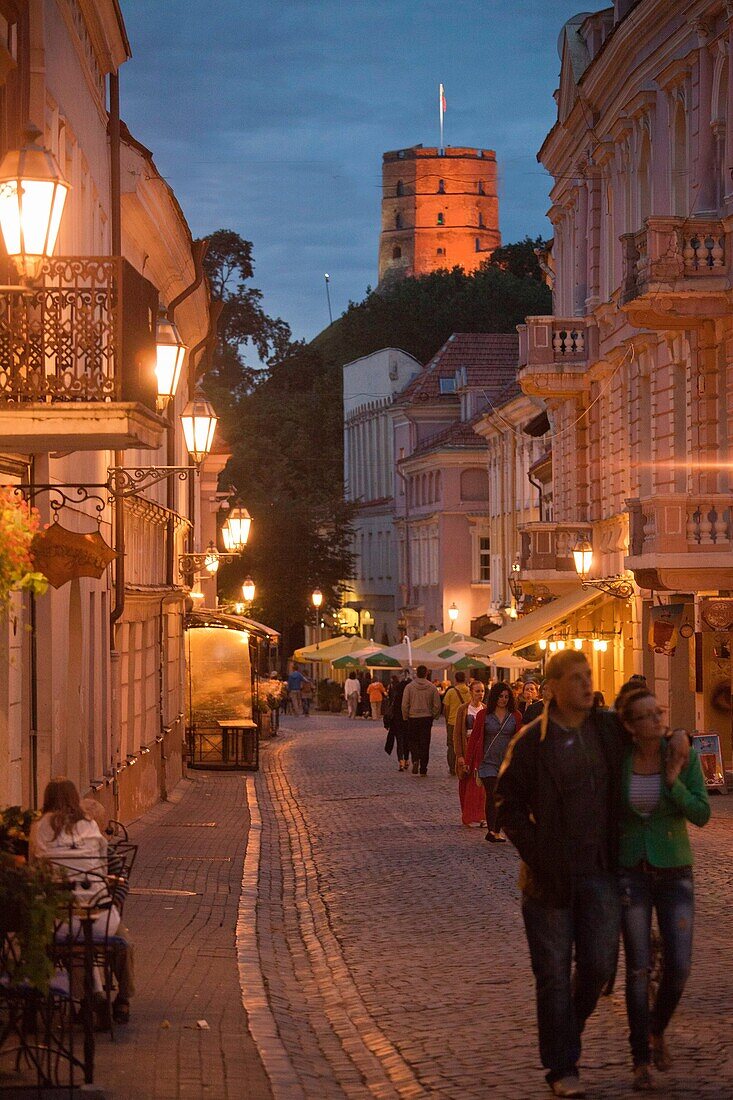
{"x": 490, "y": 359}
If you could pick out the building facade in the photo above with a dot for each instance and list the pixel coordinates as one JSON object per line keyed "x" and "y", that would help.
{"x": 636, "y": 365}
{"x": 442, "y": 499}
{"x": 92, "y": 673}
{"x": 370, "y": 387}
{"x": 440, "y": 209}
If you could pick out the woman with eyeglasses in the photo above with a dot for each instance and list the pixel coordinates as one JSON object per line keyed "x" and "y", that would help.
{"x": 659, "y": 797}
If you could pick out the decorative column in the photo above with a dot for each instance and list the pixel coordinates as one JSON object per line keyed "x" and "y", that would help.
{"x": 662, "y": 140}
{"x": 705, "y": 167}
{"x": 593, "y": 240}
{"x": 729, "y": 114}
{"x": 580, "y": 274}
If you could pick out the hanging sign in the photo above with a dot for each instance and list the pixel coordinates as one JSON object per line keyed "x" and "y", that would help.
{"x": 664, "y": 628}
{"x": 63, "y": 555}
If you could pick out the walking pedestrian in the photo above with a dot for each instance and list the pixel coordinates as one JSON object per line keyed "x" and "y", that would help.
{"x": 363, "y": 709}
{"x": 558, "y": 797}
{"x": 534, "y": 710}
{"x": 377, "y": 692}
{"x": 295, "y": 685}
{"x": 420, "y": 707}
{"x": 469, "y": 719}
{"x": 485, "y": 754}
{"x": 397, "y": 724}
{"x": 529, "y": 694}
{"x": 306, "y": 695}
{"x": 454, "y": 697}
{"x": 352, "y": 694}
{"x": 659, "y": 797}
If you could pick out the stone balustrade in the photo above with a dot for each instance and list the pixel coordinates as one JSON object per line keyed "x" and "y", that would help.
{"x": 669, "y": 249}
{"x": 548, "y": 547}
{"x": 681, "y": 524}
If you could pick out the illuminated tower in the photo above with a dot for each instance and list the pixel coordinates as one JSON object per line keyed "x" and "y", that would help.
{"x": 439, "y": 209}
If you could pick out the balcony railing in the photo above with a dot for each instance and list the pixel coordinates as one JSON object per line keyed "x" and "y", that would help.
{"x": 680, "y": 524}
{"x": 87, "y": 334}
{"x": 669, "y": 249}
{"x": 548, "y": 547}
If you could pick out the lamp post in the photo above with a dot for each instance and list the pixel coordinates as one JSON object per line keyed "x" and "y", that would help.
{"x": 622, "y": 587}
{"x": 317, "y": 600}
{"x": 32, "y": 196}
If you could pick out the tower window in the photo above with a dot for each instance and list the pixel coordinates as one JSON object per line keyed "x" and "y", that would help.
{"x": 441, "y": 251}
{"x": 398, "y": 221}
{"x": 441, "y": 219}
{"x": 400, "y": 188}
{"x": 478, "y": 244}
{"x": 396, "y": 253}
{"x": 481, "y": 187}
{"x": 481, "y": 221}
{"x": 441, "y": 187}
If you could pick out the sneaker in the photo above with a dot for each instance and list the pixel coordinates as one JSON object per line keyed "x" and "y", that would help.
{"x": 660, "y": 1053}
{"x": 415, "y": 768}
{"x": 567, "y": 1086}
{"x": 642, "y": 1079}
{"x": 496, "y": 838}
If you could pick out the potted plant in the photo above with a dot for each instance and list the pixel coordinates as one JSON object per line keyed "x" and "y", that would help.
{"x": 15, "y": 830}
{"x": 18, "y": 524}
{"x": 31, "y": 897}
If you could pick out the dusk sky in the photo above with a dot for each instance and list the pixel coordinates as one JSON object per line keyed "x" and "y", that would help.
{"x": 270, "y": 118}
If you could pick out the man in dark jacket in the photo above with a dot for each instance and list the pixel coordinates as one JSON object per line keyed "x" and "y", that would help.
{"x": 558, "y": 797}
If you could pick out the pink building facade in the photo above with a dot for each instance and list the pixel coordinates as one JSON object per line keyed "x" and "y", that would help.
{"x": 636, "y": 364}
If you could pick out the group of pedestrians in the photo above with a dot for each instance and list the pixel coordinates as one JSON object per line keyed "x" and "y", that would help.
{"x": 596, "y": 801}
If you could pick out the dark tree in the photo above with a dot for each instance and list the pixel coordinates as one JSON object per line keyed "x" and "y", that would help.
{"x": 520, "y": 258}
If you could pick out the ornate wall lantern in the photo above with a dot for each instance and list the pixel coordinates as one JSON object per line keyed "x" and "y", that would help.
{"x": 32, "y": 196}
{"x": 199, "y": 422}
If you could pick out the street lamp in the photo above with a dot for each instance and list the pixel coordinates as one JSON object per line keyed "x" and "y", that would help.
{"x": 235, "y": 529}
{"x": 317, "y": 598}
{"x": 211, "y": 561}
{"x": 170, "y": 352}
{"x": 583, "y": 557}
{"x": 453, "y": 613}
{"x": 199, "y": 422}
{"x": 32, "y": 196}
{"x": 248, "y": 590}
{"x": 515, "y": 584}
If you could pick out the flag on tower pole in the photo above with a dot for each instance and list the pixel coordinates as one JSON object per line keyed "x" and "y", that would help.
{"x": 443, "y": 105}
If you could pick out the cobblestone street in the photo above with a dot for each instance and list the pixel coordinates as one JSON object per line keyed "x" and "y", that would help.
{"x": 391, "y": 941}
{"x": 378, "y": 944}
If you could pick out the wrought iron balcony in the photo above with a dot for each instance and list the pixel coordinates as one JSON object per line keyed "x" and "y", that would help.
{"x": 681, "y": 264}
{"x": 682, "y": 542}
{"x": 554, "y": 353}
{"x": 77, "y": 357}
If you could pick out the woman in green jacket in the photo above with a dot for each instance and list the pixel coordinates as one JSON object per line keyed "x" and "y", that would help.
{"x": 659, "y": 797}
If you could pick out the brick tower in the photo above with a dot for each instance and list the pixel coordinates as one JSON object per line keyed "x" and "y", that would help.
{"x": 439, "y": 210}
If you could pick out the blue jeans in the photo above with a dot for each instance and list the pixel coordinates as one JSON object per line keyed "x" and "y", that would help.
{"x": 590, "y": 924}
{"x": 671, "y": 894}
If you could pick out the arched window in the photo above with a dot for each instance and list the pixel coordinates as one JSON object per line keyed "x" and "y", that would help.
{"x": 679, "y": 162}
{"x": 719, "y": 130}
{"x": 398, "y": 221}
{"x": 440, "y": 251}
{"x": 396, "y": 252}
{"x": 441, "y": 187}
{"x": 481, "y": 187}
{"x": 478, "y": 244}
{"x": 441, "y": 219}
{"x": 480, "y": 220}
{"x": 400, "y": 189}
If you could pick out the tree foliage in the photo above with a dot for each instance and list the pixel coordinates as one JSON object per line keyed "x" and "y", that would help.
{"x": 520, "y": 258}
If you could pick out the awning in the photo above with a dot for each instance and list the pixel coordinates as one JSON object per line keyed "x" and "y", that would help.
{"x": 530, "y": 628}
{"x": 206, "y": 616}
{"x": 443, "y": 639}
{"x": 331, "y": 648}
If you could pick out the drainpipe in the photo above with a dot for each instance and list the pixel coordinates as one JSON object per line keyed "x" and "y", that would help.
{"x": 116, "y": 226}
{"x": 536, "y": 485}
{"x": 167, "y": 598}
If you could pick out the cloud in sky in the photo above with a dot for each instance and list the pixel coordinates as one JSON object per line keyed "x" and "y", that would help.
{"x": 270, "y": 117}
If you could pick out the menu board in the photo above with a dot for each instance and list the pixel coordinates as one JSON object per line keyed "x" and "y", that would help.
{"x": 707, "y": 747}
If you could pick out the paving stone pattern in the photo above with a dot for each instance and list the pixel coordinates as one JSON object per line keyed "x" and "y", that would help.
{"x": 391, "y": 943}
{"x": 186, "y": 957}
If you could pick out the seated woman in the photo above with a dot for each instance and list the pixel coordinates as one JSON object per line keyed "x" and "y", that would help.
{"x": 660, "y": 796}
{"x": 69, "y": 840}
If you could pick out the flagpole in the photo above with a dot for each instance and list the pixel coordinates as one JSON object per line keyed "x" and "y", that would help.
{"x": 440, "y": 107}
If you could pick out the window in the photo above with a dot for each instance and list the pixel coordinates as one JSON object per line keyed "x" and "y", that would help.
{"x": 441, "y": 187}
{"x": 441, "y": 219}
{"x": 478, "y": 244}
{"x": 481, "y": 187}
{"x": 441, "y": 251}
{"x": 397, "y": 253}
{"x": 481, "y": 221}
{"x": 448, "y": 385}
{"x": 400, "y": 189}
{"x": 484, "y": 559}
{"x": 398, "y": 221}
